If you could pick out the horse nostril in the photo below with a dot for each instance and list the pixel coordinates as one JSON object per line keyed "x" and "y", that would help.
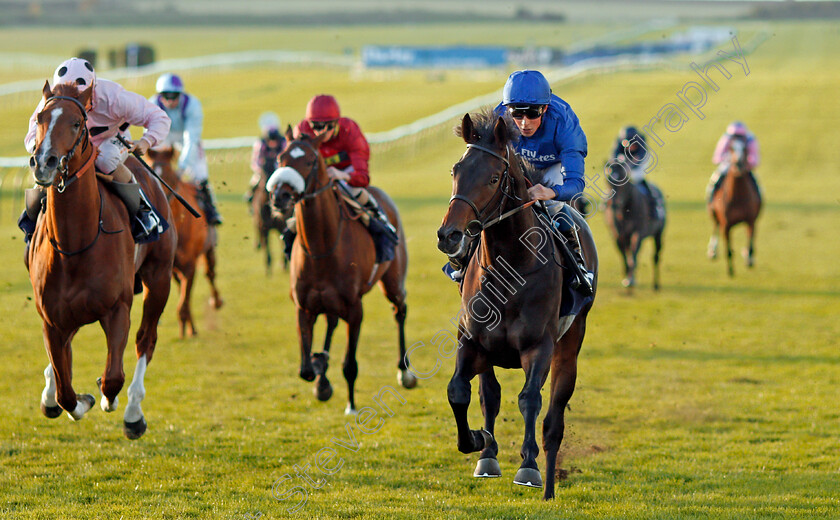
{"x": 455, "y": 237}
{"x": 52, "y": 162}
{"x": 33, "y": 163}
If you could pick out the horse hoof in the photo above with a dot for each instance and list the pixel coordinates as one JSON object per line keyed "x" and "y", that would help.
{"x": 307, "y": 375}
{"x": 216, "y": 303}
{"x": 406, "y": 379}
{"x": 349, "y": 410}
{"x": 134, "y": 430}
{"x": 51, "y": 411}
{"x": 323, "y": 389}
{"x": 487, "y": 468}
{"x": 528, "y": 477}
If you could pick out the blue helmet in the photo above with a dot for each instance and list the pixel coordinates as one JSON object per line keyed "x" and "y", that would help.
{"x": 526, "y": 87}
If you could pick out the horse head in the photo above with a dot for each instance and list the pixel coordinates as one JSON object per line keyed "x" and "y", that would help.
{"x": 738, "y": 154}
{"x": 481, "y": 180}
{"x": 61, "y": 128}
{"x": 162, "y": 157}
{"x": 618, "y": 178}
{"x": 301, "y": 170}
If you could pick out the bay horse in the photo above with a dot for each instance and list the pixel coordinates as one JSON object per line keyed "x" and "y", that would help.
{"x": 266, "y": 220}
{"x": 83, "y": 261}
{"x": 196, "y": 240}
{"x": 737, "y": 200}
{"x": 333, "y": 265}
{"x": 510, "y": 300}
{"x": 629, "y": 219}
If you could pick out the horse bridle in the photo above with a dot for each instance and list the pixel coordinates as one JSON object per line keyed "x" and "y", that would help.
{"x": 311, "y": 179}
{"x": 484, "y": 223}
{"x": 64, "y": 161}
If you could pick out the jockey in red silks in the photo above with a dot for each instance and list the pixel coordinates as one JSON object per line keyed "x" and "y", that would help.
{"x": 735, "y": 130}
{"x": 113, "y": 109}
{"x": 346, "y": 153}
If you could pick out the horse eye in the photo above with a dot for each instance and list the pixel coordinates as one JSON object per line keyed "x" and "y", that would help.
{"x": 494, "y": 179}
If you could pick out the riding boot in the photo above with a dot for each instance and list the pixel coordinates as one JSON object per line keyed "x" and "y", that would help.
{"x": 208, "y": 200}
{"x": 146, "y": 226}
{"x": 373, "y": 208}
{"x": 34, "y": 204}
{"x": 582, "y": 281}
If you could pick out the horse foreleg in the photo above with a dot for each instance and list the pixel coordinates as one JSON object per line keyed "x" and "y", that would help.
{"x": 630, "y": 255}
{"x": 711, "y": 252}
{"x": 536, "y": 363}
{"x": 61, "y": 359}
{"x": 728, "y": 244}
{"x": 468, "y": 363}
{"x": 116, "y": 333}
{"x": 186, "y": 277}
{"x": 49, "y": 406}
{"x": 350, "y": 368}
{"x": 210, "y": 272}
{"x": 306, "y": 321}
{"x": 490, "y": 396}
{"x": 563, "y": 377}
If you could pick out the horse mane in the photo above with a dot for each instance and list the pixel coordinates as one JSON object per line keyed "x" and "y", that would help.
{"x": 66, "y": 89}
{"x": 485, "y": 121}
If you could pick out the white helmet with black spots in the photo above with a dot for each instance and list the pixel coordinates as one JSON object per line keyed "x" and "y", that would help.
{"x": 169, "y": 83}
{"x": 77, "y": 71}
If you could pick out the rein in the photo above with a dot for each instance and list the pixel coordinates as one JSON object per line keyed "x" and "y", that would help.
{"x": 99, "y": 231}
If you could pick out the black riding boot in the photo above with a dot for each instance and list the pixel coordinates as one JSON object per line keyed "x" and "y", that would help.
{"x": 34, "y": 204}
{"x": 583, "y": 278}
{"x": 145, "y": 225}
{"x": 208, "y": 200}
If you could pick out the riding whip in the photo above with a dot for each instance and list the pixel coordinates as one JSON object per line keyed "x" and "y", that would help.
{"x": 177, "y": 196}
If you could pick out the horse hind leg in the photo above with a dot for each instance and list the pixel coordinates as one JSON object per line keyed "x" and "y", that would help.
{"x": 49, "y": 406}
{"x": 111, "y": 382}
{"x": 185, "y": 277}
{"x": 727, "y": 242}
{"x": 657, "y": 244}
{"x": 350, "y": 367}
{"x": 490, "y": 395}
{"x": 563, "y": 377}
{"x": 749, "y": 252}
{"x": 394, "y": 290}
{"x": 536, "y": 364}
{"x": 210, "y": 272}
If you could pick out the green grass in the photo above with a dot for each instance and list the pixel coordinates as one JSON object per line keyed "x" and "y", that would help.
{"x": 714, "y": 398}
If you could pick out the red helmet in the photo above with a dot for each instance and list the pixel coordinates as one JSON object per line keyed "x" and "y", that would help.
{"x": 322, "y": 108}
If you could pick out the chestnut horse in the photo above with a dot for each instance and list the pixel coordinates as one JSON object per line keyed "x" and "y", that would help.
{"x": 630, "y": 221}
{"x": 266, "y": 220}
{"x": 82, "y": 262}
{"x": 333, "y": 265}
{"x": 196, "y": 239}
{"x": 737, "y": 200}
{"x": 510, "y": 300}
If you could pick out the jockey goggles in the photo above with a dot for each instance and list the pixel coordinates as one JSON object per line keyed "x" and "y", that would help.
{"x": 321, "y": 125}
{"x": 170, "y": 95}
{"x": 529, "y": 111}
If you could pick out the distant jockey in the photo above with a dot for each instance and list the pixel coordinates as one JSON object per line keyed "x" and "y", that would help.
{"x": 735, "y": 130}
{"x": 265, "y": 151}
{"x": 185, "y": 133}
{"x": 631, "y": 151}
{"x": 113, "y": 109}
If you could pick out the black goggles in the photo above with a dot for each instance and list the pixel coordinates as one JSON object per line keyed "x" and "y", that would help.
{"x": 529, "y": 112}
{"x": 321, "y": 125}
{"x": 170, "y": 95}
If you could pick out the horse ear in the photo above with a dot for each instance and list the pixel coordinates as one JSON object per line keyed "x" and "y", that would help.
{"x": 85, "y": 97}
{"x": 468, "y": 130}
{"x": 500, "y": 132}
{"x": 289, "y": 135}
{"x": 47, "y": 90}
{"x": 320, "y": 139}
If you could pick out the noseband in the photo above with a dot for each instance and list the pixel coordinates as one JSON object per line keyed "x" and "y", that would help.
{"x": 64, "y": 162}
{"x": 310, "y": 180}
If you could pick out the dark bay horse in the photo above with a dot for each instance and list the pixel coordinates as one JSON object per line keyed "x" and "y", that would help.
{"x": 266, "y": 220}
{"x": 333, "y": 265}
{"x": 737, "y": 200}
{"x": 196, "y": 240}
{"x": 82, "y": 262}
{"x": 510, "y": 301}
{"x": 630, "y": 220}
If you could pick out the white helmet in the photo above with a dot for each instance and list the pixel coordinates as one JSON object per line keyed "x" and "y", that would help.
{"x": 169, "y": 83}
{"x": 268, "y": 121}
{"x": 77, "y": 71}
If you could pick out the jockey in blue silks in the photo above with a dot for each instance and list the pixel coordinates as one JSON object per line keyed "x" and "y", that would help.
{"x": 553, "y": 142}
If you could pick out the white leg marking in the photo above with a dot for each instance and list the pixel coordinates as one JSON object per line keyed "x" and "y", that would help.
{"x": 136, "y": 392}
{"x": 108, "y": 406}
{"x": 82, "y": 407}
{"x": 48, "y": 395}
